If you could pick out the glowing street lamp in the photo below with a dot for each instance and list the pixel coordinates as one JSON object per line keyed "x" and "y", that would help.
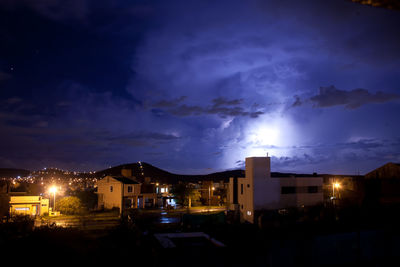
{"x": 209, "y": 194}
{"x": 53, "y": 190}
{"x": 335, "y": 185}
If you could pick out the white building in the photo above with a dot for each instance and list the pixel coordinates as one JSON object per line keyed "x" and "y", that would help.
{"x": 259, "y": 191}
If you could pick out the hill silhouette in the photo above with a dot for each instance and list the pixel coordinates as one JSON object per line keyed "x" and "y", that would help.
{"x": 140, "y": 170}
{"x": 12, "y": 173}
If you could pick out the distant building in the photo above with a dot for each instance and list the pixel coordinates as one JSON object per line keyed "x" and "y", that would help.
{"x": 382, "y": 185}
{"x": 348, "y": 191}
{"x": 259, "y": 191}
{"x": 28, "y": 205}
{"x": 388, "y": 171}
{"x": 165, "y": 198}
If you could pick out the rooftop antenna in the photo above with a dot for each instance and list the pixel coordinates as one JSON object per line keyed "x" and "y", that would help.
{"x": 267, "y": 154}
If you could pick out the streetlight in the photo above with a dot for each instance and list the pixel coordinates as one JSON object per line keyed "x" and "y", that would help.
{"x": 209, "y": 194}
{"x": 337, "y": 186}
{"x": 53, "y": 190}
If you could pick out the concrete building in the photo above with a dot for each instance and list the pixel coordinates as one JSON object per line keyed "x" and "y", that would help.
{"x": 28, "y": 205}
{"x": 258, "y": 191}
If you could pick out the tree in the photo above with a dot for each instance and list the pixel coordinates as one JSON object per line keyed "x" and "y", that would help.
{"x": 70, "y": 205}
{"x": 87, "y": 197}
{"x": 222, "y": 195}
{"x": 185, "y": 193}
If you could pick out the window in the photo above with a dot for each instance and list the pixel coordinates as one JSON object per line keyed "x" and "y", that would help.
{"x": 248, "y": 185}
{"x": 129, "y": 189}
{"x": 312, "y": 189}
{"x": 249, "y": 213}
{"x": 288, "y": 190}
{"x": 162, "y": 190}
{"x": 241, "y": 189}
{"x": 111, "y": 188}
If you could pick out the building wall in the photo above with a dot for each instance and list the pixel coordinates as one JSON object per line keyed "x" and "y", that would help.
{"x": 108, "y": 199}
{"x": 389, "y": 170}
{"x": 259, "y": 191}
{"x": 382, "y": 185}
{"x": 28, "y": 205}
{"x": 121, "y": 195}
{"x": 304, "y": 191}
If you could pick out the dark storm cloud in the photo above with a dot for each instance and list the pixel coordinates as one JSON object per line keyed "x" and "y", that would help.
{"x": 150, "y": 139}
{"x": 170, "y": 103}
{"x": 331, "y": 96}
{"x": 220, "y": 106}
{"x": 331, "y": 158}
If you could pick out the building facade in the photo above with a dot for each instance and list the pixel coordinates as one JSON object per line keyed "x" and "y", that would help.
{"x": 124, "y": 193}
{"x": 29, "y": 205}
{"x": 258, "y": 191}
{"x": 382, "y": 185}
{"x": 117, "y": 192}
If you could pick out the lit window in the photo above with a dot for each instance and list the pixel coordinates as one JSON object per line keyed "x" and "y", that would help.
{"x": 21, "y": 208}
{"x": 162, "y": 190}
{"x": 249, "y": 213}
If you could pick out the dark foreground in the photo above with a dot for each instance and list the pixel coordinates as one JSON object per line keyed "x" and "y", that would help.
{"x": 314, "y": 243}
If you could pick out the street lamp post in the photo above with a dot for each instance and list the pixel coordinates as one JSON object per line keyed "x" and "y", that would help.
{"x": 54, "y": 190}
{"x": 209, "y": 195}
{"x": 337, "y": 186}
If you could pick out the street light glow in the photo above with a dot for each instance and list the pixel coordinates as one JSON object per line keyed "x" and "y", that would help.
{"x": 53, "y": 189}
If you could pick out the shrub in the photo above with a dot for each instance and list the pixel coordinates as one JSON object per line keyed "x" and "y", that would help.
{"x": 70, "y": 206}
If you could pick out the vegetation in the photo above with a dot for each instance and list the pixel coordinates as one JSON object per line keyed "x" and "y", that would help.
{"x": 185, "y": 194}
{"x": 88, "y": 198}
{"x": 70, "y": 205}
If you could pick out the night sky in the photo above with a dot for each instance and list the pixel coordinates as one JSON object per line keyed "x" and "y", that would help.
{"x": 197, "y": 86}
